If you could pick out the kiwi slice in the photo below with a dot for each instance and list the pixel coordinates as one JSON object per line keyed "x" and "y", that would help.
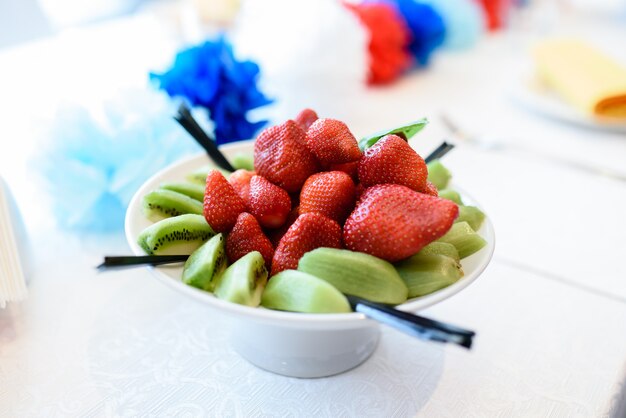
{"x": 199, "y": 176}
{"x": 178, "y": 235}
{"x": 159, "y": 204}
{"x": 356, "y": 274}
{"x": 464, "y": 238}
{"x": 451, "y": 195}
{"x": 472, "y": 215}
{"x": 205, "y": 264}
{"x": 245, "y": 161}
{"x": 243, "y": 281}
{"x": 438, "y": 174}
{"x": 292, "y": 290}
{"x": 441, "y": 248}
{"x": 193, "y": 190}
{"x": 427, "y": 273}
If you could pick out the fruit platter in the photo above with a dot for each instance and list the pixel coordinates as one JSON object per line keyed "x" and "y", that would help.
{"x": 312, "y": 214}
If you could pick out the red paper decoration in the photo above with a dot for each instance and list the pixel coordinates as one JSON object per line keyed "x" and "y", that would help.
{"x": 389, "y": 39}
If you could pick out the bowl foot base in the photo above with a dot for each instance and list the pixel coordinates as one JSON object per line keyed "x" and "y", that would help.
{"x": 305, "y": 353}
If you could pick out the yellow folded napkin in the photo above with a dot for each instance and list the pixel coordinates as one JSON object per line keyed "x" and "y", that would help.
{"x": 583, "y": 76}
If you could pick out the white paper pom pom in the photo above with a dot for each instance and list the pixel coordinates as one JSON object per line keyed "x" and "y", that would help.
{"x": 311, "y": 53}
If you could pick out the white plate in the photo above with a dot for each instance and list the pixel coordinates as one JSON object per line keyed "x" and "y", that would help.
{"x": 170, "y": 275}
{"x": 534, "y": 97}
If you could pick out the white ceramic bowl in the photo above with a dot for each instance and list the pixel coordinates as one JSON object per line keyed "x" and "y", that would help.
{"x": 292, "y": 344}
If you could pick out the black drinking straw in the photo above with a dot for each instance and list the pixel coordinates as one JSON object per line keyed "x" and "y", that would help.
{"x": 188, "y": 122}
{"x": 415, "y": 325}
{"x": 439, "y": 152}
{"x": 138, "y": 260}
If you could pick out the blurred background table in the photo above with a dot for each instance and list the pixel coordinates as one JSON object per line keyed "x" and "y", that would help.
{"x": 550, "y": 310}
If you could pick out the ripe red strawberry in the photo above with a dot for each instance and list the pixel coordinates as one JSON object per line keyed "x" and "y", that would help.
{"x": 430, "y": 189}
{"x": 358, "y": 191}
{"x": 247, "y": 236}
{"x": 240, "y": 180}
{"x": 222, "y": 204}
{"x": 268, "y": 203}
{"x": 393, "y": 222}
{"x": 276, "y": 234}
{"x": 392, "y": 160}
{"x": 351, "y": 169}
{"x": 306, "y": 118}
{"x": 332, "y": 142}
{"x": 331, "y": 193}
{"x": 295, "y": 199}
{"x": 308, "y": 232}
{"x": 281, "y": 156}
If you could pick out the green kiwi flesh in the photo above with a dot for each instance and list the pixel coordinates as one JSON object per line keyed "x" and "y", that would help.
{"x": 356, "y": 274}
{"x": 451, "y": 195}
{"x": 438, "y": 174}
{"x": 159, "y": 204}
{"x": 292, "y": 290}
{"x": 427, "y": 273}
{"x": 205, "y": 264}
{"x": 181, "y": 234}
{"x": 243, "y": 281}
{"x": 464, "y": 238}
{"x": 441, "y": 248}
{"x": 472, "y": 215}
{"x": 193, "y": 190}
{"x": 199, "y": 176}
{"x": 245, "y": 161}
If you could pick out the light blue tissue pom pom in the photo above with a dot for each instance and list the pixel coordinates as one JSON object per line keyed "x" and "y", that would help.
{"x": 464, "y": 22}
{"x": 94, "y": 162}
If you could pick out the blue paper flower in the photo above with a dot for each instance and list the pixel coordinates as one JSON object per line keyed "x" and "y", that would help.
{"x": 95, "y": 161}
{"x": 426, "y": 25}
{"x": 209, "y": 76}
{"x": 464, "y": 21}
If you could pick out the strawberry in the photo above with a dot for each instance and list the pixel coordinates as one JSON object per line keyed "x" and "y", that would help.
{"x": 358, "y": 191}
{"x": 295, "y": 199}
{"x": 240, "y": 180}
{"x": 306, "y": 118}
{"x": 268, "y": 203}
{"x": 330, "y": 193}
{"x": 277, "y": 233}
{"x": 332, "y": 142}
{"x": 392, "y": 160}
{"x": 282, "y": 157}
{"x": 393, "y": 222}
{"x": 351, "y": 169}
{"x": 222, "y": 204}
{"x": 308, "y": 232}
{"x": 430, "y": 189}
{"x": 246, "y": 237}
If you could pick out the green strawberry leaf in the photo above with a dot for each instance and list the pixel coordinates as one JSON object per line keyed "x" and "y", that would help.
{"x": 404, "y": 131}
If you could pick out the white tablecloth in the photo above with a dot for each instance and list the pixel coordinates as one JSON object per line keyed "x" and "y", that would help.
{"x": 550, "y": 311}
